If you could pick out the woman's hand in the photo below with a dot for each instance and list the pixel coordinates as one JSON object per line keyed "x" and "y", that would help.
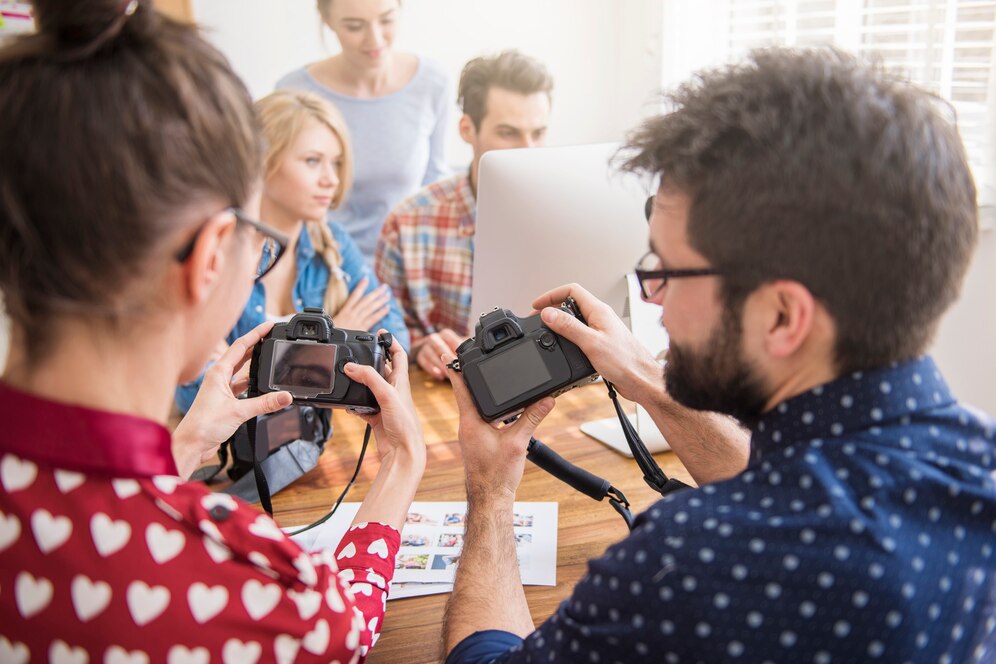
{"x": 430, "y": 349}
{"x": 217, "y": 410}
{"x": 396, "y": 426}
{"x": 363, "y": 310}
{"x": 400, "y": 445}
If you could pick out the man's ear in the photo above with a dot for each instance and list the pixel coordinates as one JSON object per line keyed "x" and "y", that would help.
{"x": 206, "y": 263}
{"x": 788, "y": 311}
{"x": 468, "y": 132}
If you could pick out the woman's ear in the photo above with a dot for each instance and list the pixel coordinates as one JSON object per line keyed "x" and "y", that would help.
{"x": 206, "y": 263}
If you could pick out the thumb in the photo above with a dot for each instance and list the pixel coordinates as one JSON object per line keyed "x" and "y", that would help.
{"x": 533, "y": 415}
{"x": 567, "y": 326}
{"x": 264, "y": 404}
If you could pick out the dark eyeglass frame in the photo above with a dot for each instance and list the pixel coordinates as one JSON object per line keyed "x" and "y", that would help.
{"x": 242, "y": 218}
{"x": 664, "y": 275}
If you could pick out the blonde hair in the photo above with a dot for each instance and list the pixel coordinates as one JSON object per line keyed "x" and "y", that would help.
{"x": 283, "y": 115}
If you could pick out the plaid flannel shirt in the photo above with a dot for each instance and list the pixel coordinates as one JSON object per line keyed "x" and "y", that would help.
{"x": 426, "y": 255}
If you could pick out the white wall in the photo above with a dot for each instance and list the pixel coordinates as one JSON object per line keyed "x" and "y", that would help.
{"x": 604, "y": 56}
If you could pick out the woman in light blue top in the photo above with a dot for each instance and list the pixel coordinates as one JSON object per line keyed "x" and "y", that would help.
{"x": 308, "y": 170}
{"x": 395, "y": 104}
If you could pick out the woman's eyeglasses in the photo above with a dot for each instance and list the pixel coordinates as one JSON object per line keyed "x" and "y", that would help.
{"x": 274, "y": 243}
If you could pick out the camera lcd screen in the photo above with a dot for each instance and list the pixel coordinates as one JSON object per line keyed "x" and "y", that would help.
{"x": 282, "y": 427}
{"x": 303, "y": 366}
{"x": 514, "y": 372}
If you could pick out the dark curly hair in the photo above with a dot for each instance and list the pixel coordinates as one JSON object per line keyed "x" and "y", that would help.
{"x": 813, "y": 166}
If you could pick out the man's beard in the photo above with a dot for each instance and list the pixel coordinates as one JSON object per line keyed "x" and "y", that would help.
{"x": 718, "y": 378}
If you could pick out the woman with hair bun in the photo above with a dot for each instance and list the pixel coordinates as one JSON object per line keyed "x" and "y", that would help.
{"x": 308, "y": 169}
{"x": 129, "y": 179}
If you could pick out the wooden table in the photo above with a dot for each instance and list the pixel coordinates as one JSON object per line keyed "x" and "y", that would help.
{"x": 413, "y": 626}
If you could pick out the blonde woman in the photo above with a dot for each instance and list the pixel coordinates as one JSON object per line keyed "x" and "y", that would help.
{"x": 308, "y": 170}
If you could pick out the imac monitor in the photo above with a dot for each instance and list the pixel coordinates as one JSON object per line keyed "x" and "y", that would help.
{"x": 551, "y": 216}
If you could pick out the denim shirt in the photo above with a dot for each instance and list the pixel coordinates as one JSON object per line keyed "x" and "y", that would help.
{"x": 309, "y": 291}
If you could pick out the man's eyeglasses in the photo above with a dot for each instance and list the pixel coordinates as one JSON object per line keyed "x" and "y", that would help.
{"x": 274, "y": 243}
{"x": 652, "y": 279}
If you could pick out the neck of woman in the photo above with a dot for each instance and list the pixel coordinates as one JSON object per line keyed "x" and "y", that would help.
{"x": 366, "y": 82}
{"x": 93, "y": 367}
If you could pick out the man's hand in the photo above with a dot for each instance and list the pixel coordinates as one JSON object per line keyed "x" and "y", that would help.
{"x": 430, "y": 348}
{"x": 493, "y": 458}
{"x": 217, "y": 410}
{"x": 605, "y": 340}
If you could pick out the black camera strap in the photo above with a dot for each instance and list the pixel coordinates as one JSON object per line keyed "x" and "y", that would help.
{"x": 574, "y": 476}
{"x": 262, "y": 488}
{"x": 652, "y": 473}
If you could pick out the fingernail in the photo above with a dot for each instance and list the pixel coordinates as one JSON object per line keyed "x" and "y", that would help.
{"x": 550, "y": 315}
{"x": 348, "y": 367}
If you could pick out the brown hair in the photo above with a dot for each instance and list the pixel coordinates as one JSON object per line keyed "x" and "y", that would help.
{"x": 283, "y": 115}
{"x": 815, "y": 167}
{"x": 509, "y": 70}
{"x": 116, "y": 120}
{"x": 323, "y": 8}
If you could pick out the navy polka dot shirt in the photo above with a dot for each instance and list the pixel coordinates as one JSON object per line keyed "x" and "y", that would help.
{"x": 862, "y": 529}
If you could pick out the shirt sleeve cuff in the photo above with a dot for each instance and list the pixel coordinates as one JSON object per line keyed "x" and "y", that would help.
{"x": 371, "y": 546}
{"x": 483, "y": 647}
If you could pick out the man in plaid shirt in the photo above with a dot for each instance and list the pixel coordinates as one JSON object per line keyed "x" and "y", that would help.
{"x": 426, "y": 248}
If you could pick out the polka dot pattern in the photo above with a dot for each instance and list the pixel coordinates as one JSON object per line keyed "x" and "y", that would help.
{"x": 862, "y": 530}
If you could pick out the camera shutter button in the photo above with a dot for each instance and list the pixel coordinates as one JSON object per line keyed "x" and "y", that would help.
{"x": 547, "y": 340}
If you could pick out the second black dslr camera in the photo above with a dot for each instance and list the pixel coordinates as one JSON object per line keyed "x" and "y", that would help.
{"x": 306, "y": 355}
{"x": 512, "y": 362}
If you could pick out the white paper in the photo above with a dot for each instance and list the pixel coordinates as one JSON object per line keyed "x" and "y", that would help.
{"x": 432, "y": 540}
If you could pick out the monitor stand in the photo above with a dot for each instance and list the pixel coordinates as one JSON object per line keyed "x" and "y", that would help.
{"x": 644, "y": 321}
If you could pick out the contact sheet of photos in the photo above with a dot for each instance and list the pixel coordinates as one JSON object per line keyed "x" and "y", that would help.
{"x": 432, "y": 540}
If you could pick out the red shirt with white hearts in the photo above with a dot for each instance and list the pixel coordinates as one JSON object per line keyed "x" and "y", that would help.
{"x": 107, "y": 556}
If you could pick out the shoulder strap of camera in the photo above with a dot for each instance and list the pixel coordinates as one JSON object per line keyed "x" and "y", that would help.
{"x": 652, "y": 473}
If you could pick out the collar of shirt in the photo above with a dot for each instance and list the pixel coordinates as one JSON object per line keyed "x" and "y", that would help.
{"x": 467, "y": 200}
{"x": 82, "y": 439}
{"x": 856, "y": 402}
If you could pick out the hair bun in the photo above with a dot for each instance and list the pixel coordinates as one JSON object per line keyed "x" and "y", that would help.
{"x": 80, "y": 28}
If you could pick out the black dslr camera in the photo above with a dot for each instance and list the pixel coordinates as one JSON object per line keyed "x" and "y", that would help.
{"x": 512, "y": 362}
{"x": 306, "y": 355}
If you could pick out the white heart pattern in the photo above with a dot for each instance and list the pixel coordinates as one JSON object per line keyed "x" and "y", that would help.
{"x": 118, "y": 655}
{"x": 219, "y": 552}
{"x": 308, "y": 602}
{"x": 32, "y": 594}
{"x": 236, "y": 652}
{"x": 61, "y": 652}
{"x": 145, "y": 602}
{"x": 10, "y": 530}
{"x": 13, "y": 652}
{"x": 346, "y": 575}
{"x": 182, "y": 655}
{"x": 377, "y": 579}
{"x": 317, "y": 640}
{"x": 348, "y": 551}
{"x": 109, "y": 536}
{"x": 68, "y": 480}
{"x": 373, "y": 625}
{"x": 213, "y": 500}
{"x": 378, "y": 547}
{"x": 164, "y": 545}
{"x": 362, "y": 589}
{"x": 285, "y": 647}
{"x": 51, "y": 532}
{"x": 259, "y": 599}
{"x": 334, "y": 600}
{"x": 265, "y": 527}
{"x": 206, "y": 602}
{"x": 89, "y": 598}
{"x": 16, "y": 474}
{"x": 305, "y": 569}
{"x": 125, "y": 488}
{"x": 166, "y": 483}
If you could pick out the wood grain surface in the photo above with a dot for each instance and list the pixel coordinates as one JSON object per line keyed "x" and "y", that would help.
{"x": 412, "y": 627}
